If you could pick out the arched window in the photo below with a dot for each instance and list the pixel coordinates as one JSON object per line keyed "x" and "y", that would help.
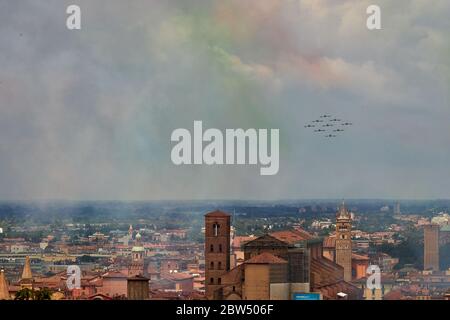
{"x": 216, "y": 227}
{"x": 211, "y": 248}
{"x": 219, "y": 265}
{"x": 211, "y": 265}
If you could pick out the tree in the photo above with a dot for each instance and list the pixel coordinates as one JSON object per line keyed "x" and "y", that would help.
{"x": 31, "y": 294}
{"x": 24, "y": 294}
{"x": 43, "y": 294}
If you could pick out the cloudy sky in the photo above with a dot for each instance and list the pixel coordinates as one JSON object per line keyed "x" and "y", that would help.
{"x": 88, "y": 114}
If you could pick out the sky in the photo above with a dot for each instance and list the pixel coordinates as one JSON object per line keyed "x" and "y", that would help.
{"x": 88, "y": 114}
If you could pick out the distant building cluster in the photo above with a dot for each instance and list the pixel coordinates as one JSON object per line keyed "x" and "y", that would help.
{"x": 328, "y": 260}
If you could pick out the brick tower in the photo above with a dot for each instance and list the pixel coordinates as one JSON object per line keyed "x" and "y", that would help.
{"x": 431, "y": 247}
{"x": 344, "y": 241}
{"x": 217, "y": 249}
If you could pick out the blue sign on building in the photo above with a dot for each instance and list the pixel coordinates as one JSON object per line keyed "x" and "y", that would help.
{"x": 307, "y": 296}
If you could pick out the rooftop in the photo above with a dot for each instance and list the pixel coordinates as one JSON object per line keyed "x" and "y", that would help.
{"x": 217, "y": 213}
{"x": 291, "y": 236}
{"x": 265, "y": 258}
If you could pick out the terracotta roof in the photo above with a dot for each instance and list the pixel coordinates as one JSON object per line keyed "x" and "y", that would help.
{"x": 265, "y": 258}
{"x": 325, "y": 272}
{"x": 114, "y": 274}
{"x": 359, "y": 257}
{"x": 138, "y": 278}
{"x": 393, "y": 295}
{"x": 178, "y": 276}
{"x": 238, "y": 241}
{"x": 303, "y": 233}
{"x": 291, "y": 236}
{"x": 331, "y": 291}
{"x": 217, "y": 213}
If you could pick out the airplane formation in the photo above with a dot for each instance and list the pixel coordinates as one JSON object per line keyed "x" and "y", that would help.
{"x": 330, "y": 127}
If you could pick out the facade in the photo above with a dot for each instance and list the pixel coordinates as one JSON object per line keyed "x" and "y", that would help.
{"x": 217, "y": 249}
{"x": 344, "y": 241}
{"x": 114, "y": 284}
{"x": 360, "y": 264}
{"x": 431, "y": 247}
{"x": 266, "y": 277}
{"x": 138, "y": 288}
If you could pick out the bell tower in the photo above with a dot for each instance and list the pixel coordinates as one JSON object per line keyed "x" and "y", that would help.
{"x": 344, "y": 241}
{"x": 217, "y": 249}
{"x": 136, "y": 266}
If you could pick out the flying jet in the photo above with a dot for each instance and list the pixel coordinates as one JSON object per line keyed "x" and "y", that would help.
{"x": 317, "y": 121}
{"x": 310, "y": 126}
{"x": 347, "y": 124}
{"x": 330, "y": 136}
{"x": 338, "y": 130}
{"x": 319, "y": 130}
{"x": 335, "y": 120}
{"x": 327, "y": 125}
{"x": 326, "y": 116}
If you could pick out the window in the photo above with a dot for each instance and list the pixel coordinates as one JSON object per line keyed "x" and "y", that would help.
{"x": 219, "y": 281}
{"x": 211, "y": 281}
{"x": 211, "y": 248}
{"x": 220, "y": 265}
{"x": 220, "y": 248}
{"x": 211, "y": 265}
{"x": 216, "y": 227}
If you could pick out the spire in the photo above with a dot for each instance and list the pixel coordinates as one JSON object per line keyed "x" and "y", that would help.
{"x": 342, "y": 212}
{"x": 26, "y": 274}
{"x": 4, "y": 291}
{"x": 130, "y": 230}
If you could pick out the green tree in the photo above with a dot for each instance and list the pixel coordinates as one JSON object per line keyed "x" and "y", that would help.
{"x": 24, "y": 294}
{"x": 43, "y": 294}
{"x": 30, "y": 294}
